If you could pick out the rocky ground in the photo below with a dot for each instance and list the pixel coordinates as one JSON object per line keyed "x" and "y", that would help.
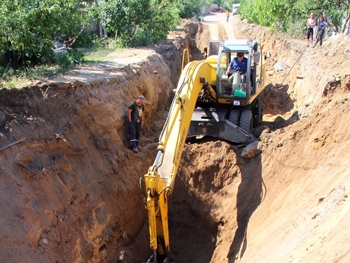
{"x": 69, "y": 182}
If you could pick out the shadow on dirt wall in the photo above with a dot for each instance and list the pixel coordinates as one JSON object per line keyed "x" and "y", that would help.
{"x": 277, "y": 102}
{"x": 193, "y": 233}
{"x": 251, "y": 192}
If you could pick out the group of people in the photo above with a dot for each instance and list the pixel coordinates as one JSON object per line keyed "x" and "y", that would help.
{"x": 312, "y": 24}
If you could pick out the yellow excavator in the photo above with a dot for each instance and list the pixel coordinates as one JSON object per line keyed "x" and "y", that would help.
{"x": 208, "y": 101}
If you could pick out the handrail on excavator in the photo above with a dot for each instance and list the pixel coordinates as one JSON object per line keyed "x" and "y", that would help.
{"x": 185, "y": 54}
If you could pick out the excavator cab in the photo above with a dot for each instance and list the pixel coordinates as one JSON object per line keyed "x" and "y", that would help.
{"x": 236, "y": 107}
{"x": 234, "y": 86}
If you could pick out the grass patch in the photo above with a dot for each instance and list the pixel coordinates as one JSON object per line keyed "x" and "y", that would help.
{"x": 23, "y": 77}
{"x": 98, "y": 55}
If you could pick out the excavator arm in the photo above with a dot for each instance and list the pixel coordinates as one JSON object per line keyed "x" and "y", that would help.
{"x": 160, "y": 179}
{"x": 220, "y": 113}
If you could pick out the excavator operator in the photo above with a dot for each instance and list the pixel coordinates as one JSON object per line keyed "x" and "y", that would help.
{"x": 238, "y": 64}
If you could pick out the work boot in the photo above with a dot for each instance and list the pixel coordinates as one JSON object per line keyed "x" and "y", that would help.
{"x": 135, "y": 150}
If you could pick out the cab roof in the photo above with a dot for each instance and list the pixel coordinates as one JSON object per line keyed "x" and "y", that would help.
{"x": 238, "y": 45}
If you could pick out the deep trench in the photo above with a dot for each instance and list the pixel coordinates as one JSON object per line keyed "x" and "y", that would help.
{"x": 193, "y": 230}
{"x": 69, "y": 183}
{"x": 80, "y": 216}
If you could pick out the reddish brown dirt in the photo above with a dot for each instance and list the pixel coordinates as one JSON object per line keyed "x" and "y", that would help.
{"x": 289, "y": 204}
{"x": 69, "y": 183}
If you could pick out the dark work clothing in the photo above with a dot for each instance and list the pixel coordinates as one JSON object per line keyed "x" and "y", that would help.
{"x": 310, "y": 33}
{"x": 136, "y": 114}
{"x": 320, "y": 37}
{"x": 134, "y": 133}
{"x": 135, "y": 123}
{"x": 321, "y": 27}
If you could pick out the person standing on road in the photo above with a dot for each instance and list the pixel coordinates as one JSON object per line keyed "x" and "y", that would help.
{"x": 325, "y": 16}
{"x": 321, "y": 28}
{"x": 227, "y": 15}
{"x": 311, "y": 23}
{"x": 136, "y": 118}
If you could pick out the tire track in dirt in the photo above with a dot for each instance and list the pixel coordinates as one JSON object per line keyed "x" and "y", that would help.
{"x": 222, "y": 32}
{"x": 217, "y": 32}
{"x": 221, "y": 29}
{"x": 231, "y": 28}
{"x": 213, "y": 31}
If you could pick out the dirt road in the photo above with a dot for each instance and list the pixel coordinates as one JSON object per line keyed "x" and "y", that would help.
{"x": 219, "y": 28}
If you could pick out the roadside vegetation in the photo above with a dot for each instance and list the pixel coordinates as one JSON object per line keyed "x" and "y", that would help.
{"x": 57, "y": 34}
{"x": 39, "y": 38}
{"x": 290, "y": 16}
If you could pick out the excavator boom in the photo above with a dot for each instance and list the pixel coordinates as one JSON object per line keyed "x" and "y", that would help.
{"x": 160, "y": 179}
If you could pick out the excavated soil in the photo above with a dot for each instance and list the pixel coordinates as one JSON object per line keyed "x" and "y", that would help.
{"x": 70, "y": 184}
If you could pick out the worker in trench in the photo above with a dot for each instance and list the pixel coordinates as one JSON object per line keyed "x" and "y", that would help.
{"x": 136, "y": 118}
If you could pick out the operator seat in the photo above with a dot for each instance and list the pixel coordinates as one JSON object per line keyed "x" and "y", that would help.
{"x": 224, "y": 84}
{"x": 238, "y": 85}
{"x": 236, "y": 82}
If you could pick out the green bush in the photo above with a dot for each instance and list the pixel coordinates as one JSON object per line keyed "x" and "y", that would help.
{"x": 29, "y": 28}
{"x": 70, "y": 58}
{"x": 297, "y": 29}
{"x": 85, "y": 40}
{"x": 137, "y": 22}
{"x": 291, "y": 16}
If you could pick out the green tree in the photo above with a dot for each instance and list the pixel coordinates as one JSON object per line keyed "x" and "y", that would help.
{"x": 165, "y": 17}
{"x": 231, "y": 2}
{"x": 190, "y": 8}
{"x": 345, "y": 17}
{"x": 29, "y": 29}
{"x": 138, "y": 22}
{"x": 290, "y": 16}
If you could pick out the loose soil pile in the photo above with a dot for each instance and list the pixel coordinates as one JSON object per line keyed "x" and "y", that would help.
{"x": 69, "y": 182}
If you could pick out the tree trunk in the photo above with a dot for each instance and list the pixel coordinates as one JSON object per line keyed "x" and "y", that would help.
{"x": 345, "y": 25}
